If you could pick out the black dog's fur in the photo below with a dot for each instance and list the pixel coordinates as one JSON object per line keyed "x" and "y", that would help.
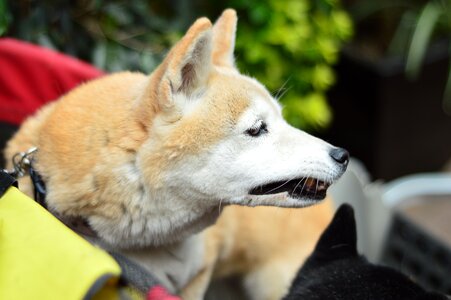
{"x": 336, "y": 271}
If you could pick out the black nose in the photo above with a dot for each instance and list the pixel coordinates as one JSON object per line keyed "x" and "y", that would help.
{"x": 340, "y": 155}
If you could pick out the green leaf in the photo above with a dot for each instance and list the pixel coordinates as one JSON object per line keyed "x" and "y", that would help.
{"x": 311, "y": 111}
{"x": 421, "y": 37}
{"x": 343, "y": 24}
{"x": 401, "y": 37}
{"x": 323, "y": 77}
{"x": 447, "y": 93}
{"x": 4, "y": 17}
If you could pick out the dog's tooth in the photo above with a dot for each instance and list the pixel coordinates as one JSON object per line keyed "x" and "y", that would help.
{"x": 310, "y": 183}
{"x": 322, "y": 186}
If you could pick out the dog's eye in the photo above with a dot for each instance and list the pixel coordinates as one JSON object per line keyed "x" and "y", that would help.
{"x": 257, "y": 130}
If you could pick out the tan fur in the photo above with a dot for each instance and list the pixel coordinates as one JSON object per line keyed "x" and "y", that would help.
{"x": 88, "y": 137}
{"x": 87, "y": 150}
{"x": 224, "y": 38}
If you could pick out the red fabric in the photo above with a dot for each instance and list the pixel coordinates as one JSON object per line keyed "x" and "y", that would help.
{"x": 31, "y": 76}
{"x": 159, "y": 293}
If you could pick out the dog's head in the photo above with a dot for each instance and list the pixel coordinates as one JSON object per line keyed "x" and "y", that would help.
{"x": 219, "y": 136}
{"x": 336, "y": 271}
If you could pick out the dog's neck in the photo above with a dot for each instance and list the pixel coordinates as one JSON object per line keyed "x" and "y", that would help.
{"x": 150, "y": 217}
{"x": 160, "y": 231}
{"x": 128, "y": 211}
{"x": 151, "y": 222}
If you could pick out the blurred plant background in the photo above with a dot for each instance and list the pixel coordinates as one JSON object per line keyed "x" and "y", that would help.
{"x": 405, "y": 29}
{"x": 290, "y": 46}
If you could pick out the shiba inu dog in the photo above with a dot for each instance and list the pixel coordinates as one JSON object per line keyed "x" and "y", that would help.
{"x": 150, "y": 161}
{"x": 335, "y": 270}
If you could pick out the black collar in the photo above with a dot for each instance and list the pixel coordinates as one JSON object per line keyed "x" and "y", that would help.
{"x": 78, "y": 224}
{"x": 39, "y": 189}
{"x": 6, "y": 181}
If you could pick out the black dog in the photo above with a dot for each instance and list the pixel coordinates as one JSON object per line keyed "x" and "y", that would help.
{"x": 336, "y": 271}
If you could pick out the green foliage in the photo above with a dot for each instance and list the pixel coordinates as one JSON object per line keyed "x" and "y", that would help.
{"x": 113, "y": 35}
{"x": 288, "y": 45}
{"x": 4, "y": 17}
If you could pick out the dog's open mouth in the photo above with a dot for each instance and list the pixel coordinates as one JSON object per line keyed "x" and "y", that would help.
{"x": 301, "y": 188}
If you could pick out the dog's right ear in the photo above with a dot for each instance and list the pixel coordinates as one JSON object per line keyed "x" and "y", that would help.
{"x": 339, "y": 240}
{"x": 185, "y": 69}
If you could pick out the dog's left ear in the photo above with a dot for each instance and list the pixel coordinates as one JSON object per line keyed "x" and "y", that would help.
{"x": 224, "y": 31}
{"x": 185, "y": 69}
{"x": 188, "y": 64}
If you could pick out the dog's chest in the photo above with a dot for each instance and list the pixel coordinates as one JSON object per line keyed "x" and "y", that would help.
{"x": 175, "y": 265}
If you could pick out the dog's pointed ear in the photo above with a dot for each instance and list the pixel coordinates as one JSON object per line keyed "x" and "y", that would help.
{"x": 186, "y": 68}
{"x": 339, "y": 240}
{"x": 224, "y": 32}
{"x": 189, "y": 62}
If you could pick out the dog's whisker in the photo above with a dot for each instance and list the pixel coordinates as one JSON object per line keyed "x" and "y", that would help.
{"x": 277, "y": 187}
{"x": 281, "y": 91}
{"x": 279, "y": 96}
{"x": 294, "y": 191}
{"x": 316, "y": 188}
{"x": 303, "y": 186}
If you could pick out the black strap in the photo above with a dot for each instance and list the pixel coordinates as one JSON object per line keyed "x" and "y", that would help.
{"x": 6, "y": 181}
{"x": 39, "y": 188}
{"x": 134, "y": 274}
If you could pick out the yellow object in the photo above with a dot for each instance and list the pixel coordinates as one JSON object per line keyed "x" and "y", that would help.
{"x": 40, "y": 258}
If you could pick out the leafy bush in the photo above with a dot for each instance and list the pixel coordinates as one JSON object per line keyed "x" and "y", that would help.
{"x": 291, "y": 46}
{"x": 288, "y": 45}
